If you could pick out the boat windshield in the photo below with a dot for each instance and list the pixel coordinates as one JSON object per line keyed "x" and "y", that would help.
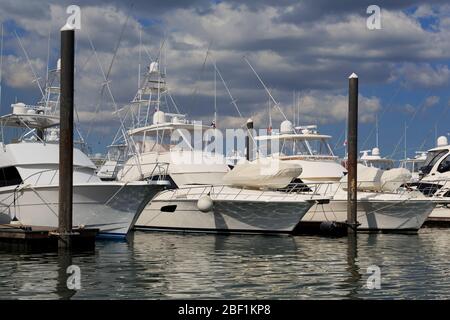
{"x": 444, "y": 166}
{"x": 164, "y": 140}
{"x": 117, "y": 152}
{"x": 414, "y": 165}
{"x": 318, "y": 147}
{"x": 383, "y": 164}
{"x": 432, "y": 158}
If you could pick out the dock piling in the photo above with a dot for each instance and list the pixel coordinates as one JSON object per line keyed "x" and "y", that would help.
{"x": 66, "y": 137}
{"x": 352, "y": 153}
{"x": 248, "y": 146}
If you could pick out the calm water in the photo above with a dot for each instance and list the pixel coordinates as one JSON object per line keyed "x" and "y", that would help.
{"x": 163, "y": 265}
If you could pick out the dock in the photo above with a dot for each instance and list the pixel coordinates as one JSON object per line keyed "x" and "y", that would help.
{"x": 437, "y": 223}
{"x": 318, "y": 228}
{"x": 42, "y": 237}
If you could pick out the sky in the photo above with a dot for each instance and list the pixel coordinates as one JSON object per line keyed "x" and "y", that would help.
{"x": 303, "y": 49}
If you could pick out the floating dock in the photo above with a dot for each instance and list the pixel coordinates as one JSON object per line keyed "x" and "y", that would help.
{"x": 333, "y": 229}
{"x": 41, "y": 237}
{"x": 437, "y": 223}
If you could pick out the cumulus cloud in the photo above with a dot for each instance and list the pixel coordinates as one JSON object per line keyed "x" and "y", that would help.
{"x": 17, "y": 72}
{"x": 309, "y": 46}
{"x": 431, "y": 101}
{"x": 422, "y": 75}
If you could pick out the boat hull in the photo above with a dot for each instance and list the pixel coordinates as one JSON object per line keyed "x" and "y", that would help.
{"x": 373, "y": 215}
{"x": 250, "y": 215}
{"x": 113, "y": 208}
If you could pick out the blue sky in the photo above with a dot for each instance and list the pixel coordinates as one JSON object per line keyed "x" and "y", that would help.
{"x": 305, "y": 46}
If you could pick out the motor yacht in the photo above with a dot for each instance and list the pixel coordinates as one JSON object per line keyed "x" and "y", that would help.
{"x": 29, "y": 186}
{"x": 200, "y": 201}
{"x": 382, "y": 206}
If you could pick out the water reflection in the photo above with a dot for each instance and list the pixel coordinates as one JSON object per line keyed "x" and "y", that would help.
{"x": 163, "y": 265}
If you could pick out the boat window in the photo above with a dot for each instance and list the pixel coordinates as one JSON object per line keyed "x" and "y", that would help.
{"x": 444, "y": 166}
{"x": 294, "y": 147}
{"x": 417, "y": 165}
{"x": 320, "y": 147}
{"x": 433, "y": 157}
{"x": 412, "y": 166}
{"x": 155, "y": 141}
{"x": 9, "y": 176}
{"x": 383, "y": 164}
{"x": 317, "y": 147}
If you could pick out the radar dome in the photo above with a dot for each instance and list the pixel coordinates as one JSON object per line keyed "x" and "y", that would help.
{"x": 286, "y": 127}
{"x": 159, "y": 117}
{"x": 376, "y": 151}
{"x": 442, "y": 141}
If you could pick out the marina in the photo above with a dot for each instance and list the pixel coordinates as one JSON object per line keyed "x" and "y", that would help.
{"x": 208, "y": 182}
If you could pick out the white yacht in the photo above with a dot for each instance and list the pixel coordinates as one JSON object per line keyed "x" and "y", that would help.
{"x": 29, "y": 186}
{"x": 186, "y": 163}
{"x": 201, "y": 201}
{"x": 305, "y": 146}
{"x": 381, "y": 206}
{"x": 435, "y": 179}
{"x": 372, "y": 158}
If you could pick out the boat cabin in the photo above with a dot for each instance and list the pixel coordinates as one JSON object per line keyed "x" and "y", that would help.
{"x": 372, "y": 158}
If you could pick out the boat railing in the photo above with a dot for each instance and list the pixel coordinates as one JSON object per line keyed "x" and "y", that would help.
{"x": 55, "y": 171}
{"x": 160, "y": 171}
{"x": 315, "y": 190}
{"x": 438, "y": 189}
{"x": 227, "y": 192}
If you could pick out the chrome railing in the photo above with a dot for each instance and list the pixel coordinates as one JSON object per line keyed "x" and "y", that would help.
{"x": 314, "y": 190}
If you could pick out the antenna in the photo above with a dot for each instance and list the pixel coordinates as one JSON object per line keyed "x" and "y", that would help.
{"x": 294, "y": 101}
{"x": 215, "y": 98}
{"x": 48, "y": 54}
{"x": 405, "y": 140}
{"x": 376, "y": 130}
{"x": 36, "y": 79}
{"x": 233, "y": 101}
{"x": 265, "y": 88}
{"x": 139, "y": 64}
{"x": 435, "y": 132}
{"x": 1, "y": 65}
{"x": 269, "y": 109}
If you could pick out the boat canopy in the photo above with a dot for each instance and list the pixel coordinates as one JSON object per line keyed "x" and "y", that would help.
{"x": 168, "y": 127}
{"x": 293, "y": 136}
{"x": 30, "y": 121}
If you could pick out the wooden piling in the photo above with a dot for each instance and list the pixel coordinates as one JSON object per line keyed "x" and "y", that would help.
{"x": 352, "y": 153}
{"x": 248, "y": 146}
{"x": 66, "y": 137}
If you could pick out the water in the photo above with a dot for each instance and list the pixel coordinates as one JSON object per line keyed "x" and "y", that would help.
{"x": 169, "y": 266}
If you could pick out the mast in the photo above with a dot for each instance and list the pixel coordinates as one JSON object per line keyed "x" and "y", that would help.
{"x": 139, "y": 64}
{"x": 215, "y": 99}
{"x": 376, "y": 130}
{"x": 1, "y": 65}
{"x": 405, "y": 142}
{"x": 294, "y": 101}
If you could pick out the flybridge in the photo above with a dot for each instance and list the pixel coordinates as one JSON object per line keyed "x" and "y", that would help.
{"x": 27, "y": 116}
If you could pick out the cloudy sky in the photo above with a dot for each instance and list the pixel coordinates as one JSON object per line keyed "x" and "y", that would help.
{"x": 300, "y": 48}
